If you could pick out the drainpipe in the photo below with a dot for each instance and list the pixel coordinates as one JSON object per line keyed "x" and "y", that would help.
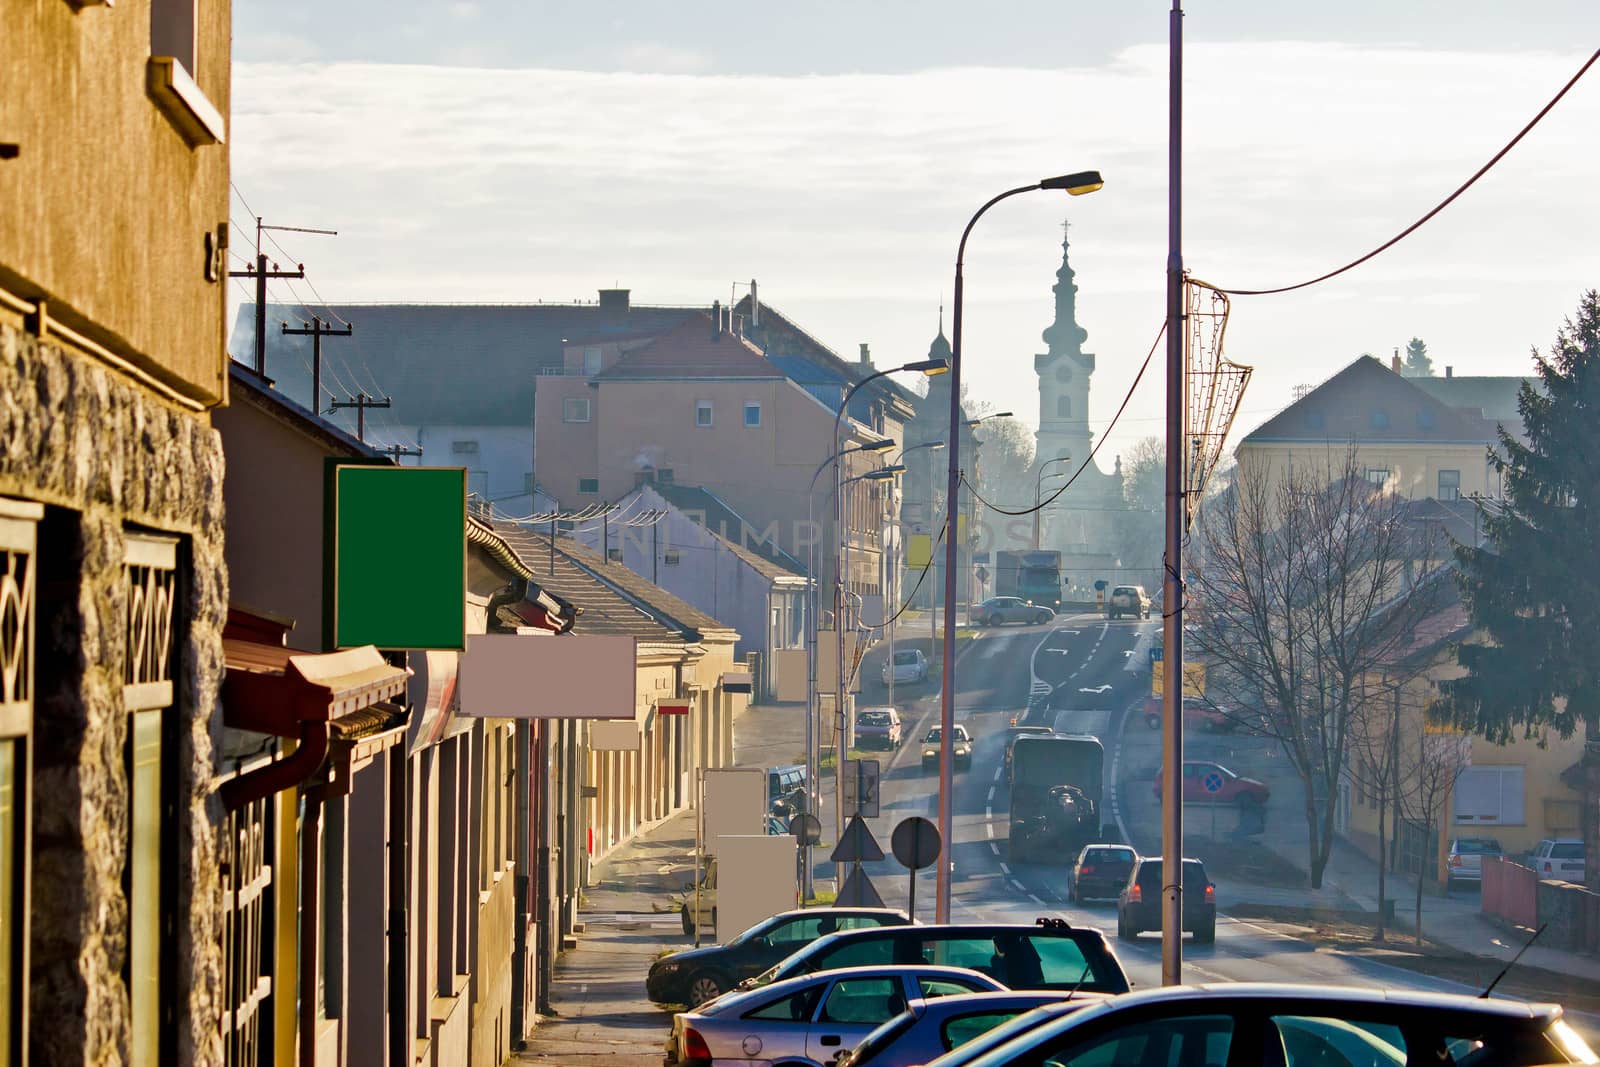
{"x": 310, "y": 751}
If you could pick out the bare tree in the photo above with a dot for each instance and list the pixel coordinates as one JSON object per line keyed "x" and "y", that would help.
{"x": 1376, "y": 751}
{"x": 1431, "y": 760}
{"x": 1306, "y": 587}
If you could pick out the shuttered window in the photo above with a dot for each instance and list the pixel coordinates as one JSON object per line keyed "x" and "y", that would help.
{"x": 1490, "y": 796}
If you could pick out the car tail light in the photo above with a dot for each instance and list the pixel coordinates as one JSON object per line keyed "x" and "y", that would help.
{"x": 1085, "y": 869}
{"x": 694, "y": 1046}
{"x": 1547, "y": 867}
{"x": 1136, "y": 894}
{"x": 1211, "y": 894}
{"x": 1455, "y": 861}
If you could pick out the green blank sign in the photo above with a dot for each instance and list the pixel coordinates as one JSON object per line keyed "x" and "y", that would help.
{"x": 400, "y": 557}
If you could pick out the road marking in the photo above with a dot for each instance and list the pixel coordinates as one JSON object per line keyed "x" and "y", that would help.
{"x": 1018, "y": 886}
{"x": 1093, "y": 688}
{"x": 1036, "y": 900}
{"x": 995, "y": 847}
{"x": 996, "y": 775}
{"x": 1004, "y": 869}
{"x": 988, "y": 828}
{"x": 991, "y": 799}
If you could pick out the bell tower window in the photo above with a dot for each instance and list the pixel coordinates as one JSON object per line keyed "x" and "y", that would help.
{"x": 1063, "y": 407}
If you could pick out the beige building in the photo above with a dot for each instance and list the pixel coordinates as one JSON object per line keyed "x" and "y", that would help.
{"x": 1406, "y": 437}
{"x": 114, "y": 201}
{"x": 701, "y": 405}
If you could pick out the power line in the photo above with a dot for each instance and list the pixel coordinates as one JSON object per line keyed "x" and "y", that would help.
{"x": 1397, "y": 238}
{"x": 1137, "y": 378}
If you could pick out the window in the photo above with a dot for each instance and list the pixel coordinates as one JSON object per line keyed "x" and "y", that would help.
{"x": 945, "y": 987}
{"x": 173, "y": 45}
{"x": 1379, "y": 420}
{"x": 1173, "y": 1040}
{"x": 1449, "y": 485}
{"x": 591, "y": 360}
{"x": 614, "y": 555}
{"x": 1378, "y": 476}
{"x": 575, "y": 409}
{"x": 1063, "y": 407}
{"x": 752, "y": 413}
{"x": 18, "y": 537}
{"x": 1425, "y": 420}
{"x": 664, "y": 476}
{"x": 702, "y": 413}
{"x": 1326, "y": 1042}
{"x": 1316, "y": 420}
{"x": 463, "y": 448}
{"x": 589, "y": 485}
{"x": 670, "y": 557}
{"x": 794, "y": 1008}
{"x": 959, "y": 1029}
{"x": 1063, "y": 373}
{"x": 1490, "y": 796}
{"x": 150, "y": 572}
{"x": 863, "y": 1000}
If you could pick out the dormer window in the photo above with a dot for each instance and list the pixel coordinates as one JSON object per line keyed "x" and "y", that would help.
{"x": 1379, "y": 420}
{"x": 1425, "y": 420}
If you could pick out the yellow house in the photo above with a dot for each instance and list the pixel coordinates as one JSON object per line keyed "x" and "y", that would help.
{"x": 1414, "y": 439}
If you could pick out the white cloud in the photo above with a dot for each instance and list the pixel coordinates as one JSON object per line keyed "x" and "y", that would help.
{"x": 844, "y": 196}
{"x": 645, "y": 57}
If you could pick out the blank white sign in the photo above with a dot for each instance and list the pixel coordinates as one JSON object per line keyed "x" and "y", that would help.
{"x": 534, "y": 676}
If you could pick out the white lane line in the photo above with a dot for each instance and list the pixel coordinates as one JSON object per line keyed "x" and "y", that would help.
{"x": 988, "y": 828}
{"x": 1018, "y": 886}
{"x": 1036, "y": 900}
{"x": 996, "y": 777}
{"x": 995, "y": 847}
{"x": 1004, "y": 869}
{"x": 991, "y": 799}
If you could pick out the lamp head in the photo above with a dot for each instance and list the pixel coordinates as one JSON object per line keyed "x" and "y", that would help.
{"x": 876, "y": 446}
{"x": 883, "y": 474}
{"x": 930, "y": 367}
{"x": 1085, "y": 181}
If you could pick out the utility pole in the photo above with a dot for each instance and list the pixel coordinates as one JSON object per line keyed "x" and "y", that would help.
{"x": 261, "y": 274}
{"x": 397, "y": 451}
{"x": 361, "y": 402}
{"x": 316, "y": 331}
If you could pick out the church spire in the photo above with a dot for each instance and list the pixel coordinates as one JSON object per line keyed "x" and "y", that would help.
{"x": 1064, "y": 335}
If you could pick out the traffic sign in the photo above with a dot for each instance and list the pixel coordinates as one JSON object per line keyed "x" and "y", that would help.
{"x": 805, "y": 828}
{"x": 856, "y": 844}
{"x": 863, "y": 799}
{"x": 916, "y": 843}
{"x": 1213, "y": 782}
{"x": 858, "y": 892}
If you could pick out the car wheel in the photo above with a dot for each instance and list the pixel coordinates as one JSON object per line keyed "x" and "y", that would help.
{"x": 688, "y": 923}
{"x": 1207, "y": 934}
{"x": 705, "y": 986}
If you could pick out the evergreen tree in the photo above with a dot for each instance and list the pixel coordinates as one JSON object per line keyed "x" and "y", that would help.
{"x": 1533, "y": 588}
{"x": 1417, "y": 364}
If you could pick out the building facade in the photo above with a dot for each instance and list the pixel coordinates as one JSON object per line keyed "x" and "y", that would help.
{"x": 111, "y": 497}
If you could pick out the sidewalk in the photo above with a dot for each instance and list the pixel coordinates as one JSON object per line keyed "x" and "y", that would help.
{"x": 601, "y": 1015}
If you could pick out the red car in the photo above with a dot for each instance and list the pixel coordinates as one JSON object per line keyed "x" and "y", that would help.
{"x": 1197, "y": 715}
{"x": 1212, "y": 783}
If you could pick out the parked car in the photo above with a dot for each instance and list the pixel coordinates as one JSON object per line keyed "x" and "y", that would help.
{"x": 1128, "y": 600}
{"x": 1015, "y": 731}
{"x": 1228, "y": 1023}
{"x": 878, "y": 728}
{"x": 699, "y": 910}
{"x": 1205, "y": 782}
{"x": 696, "y": 975}
{"x": 1198, "y": 714}
{"x": 930, "y": 1028}
{"x": 810, "y": 1019}
{"x": 777, "y": 826}
{"x": 786, "y": 790}
{"x": 960, "y": 747}
{"x": 907, "y": 665}
{"x": 1100, "y": 872}
{"x": 998, "y": 610}
{"x": 1464, "y": 862}
{"x": 1139, "y": 905}
{"x": 1050, "y": 954}
{"x": 1559, "y": 857}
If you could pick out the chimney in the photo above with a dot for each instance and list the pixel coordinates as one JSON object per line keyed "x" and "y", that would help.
{"x": 1449, "y": 372}
{"x": 866, "y": 354}
{"x": 1394, "y": 364}
{"x": 716, "y": 320}
{"x": 737, "y": 322}
{"x": 755, "y": 307}
{"x": 613, "y": 306}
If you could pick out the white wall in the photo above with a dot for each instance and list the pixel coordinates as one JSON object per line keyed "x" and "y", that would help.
{"x": 498, "y": 470}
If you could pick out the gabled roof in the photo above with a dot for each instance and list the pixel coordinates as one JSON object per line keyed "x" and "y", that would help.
{"x": 1493, "y": 397}
{"x": 443, "y": 364}
{"x": 779, "y": 336}
{"x": 1367, "y": 402}
{"x": 760, "y": 564}
{"x": 718, "y": 517}
{"x": 693, "y": 349}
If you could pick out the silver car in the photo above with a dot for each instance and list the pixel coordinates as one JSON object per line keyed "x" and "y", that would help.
{"x": 998, "y": 610}
{"x": 813, "y": 1019}
{"x": 929, "y": 1029}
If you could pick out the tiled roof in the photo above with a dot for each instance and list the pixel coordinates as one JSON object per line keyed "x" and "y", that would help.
{"x": 1368, "y": 403}
{"x": 669, "y": 608}
{"x": 760, "y": 564}
{"x": 601, "y": 610}
{"x": 692, "y": 349}
{"x": 1495, "y": 398}
{"x": 720, "y": 518}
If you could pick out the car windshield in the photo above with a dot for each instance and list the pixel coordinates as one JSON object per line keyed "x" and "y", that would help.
{"x": 1567, "y": 850}
{"x": 905, "y": 659}
{"x": 934, "y": 734}
{"x": 873, "y": 718}
{"x": 1472, "y": 846}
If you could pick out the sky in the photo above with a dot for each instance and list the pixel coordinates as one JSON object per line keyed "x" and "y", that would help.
{"x": 499, "y": 152}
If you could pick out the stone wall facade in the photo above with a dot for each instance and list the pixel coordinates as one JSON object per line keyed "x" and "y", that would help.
{"x": 105, "y": 456}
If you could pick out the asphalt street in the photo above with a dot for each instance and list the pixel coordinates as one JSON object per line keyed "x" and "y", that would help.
{"x": 1083, "y": 672}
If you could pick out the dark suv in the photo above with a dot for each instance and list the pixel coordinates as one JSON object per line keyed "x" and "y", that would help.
{"x": 1139, "y": 906}
{"x": 696, "y": 975}
{"x": 1050, "y": 954}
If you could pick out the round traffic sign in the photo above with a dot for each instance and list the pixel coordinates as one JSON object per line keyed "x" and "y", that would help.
{"x": 1212, "y": 782}
{"x": 805, "y": 828}
{"x": 916, "y": 843}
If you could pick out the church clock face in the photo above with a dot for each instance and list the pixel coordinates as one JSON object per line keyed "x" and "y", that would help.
{"x": 1063, "y": 374}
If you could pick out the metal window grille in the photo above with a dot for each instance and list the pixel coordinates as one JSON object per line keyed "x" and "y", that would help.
{"x": 248, "y": 936}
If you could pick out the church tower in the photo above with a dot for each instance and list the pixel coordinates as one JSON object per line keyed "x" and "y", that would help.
{"x": 1079, "y": 522}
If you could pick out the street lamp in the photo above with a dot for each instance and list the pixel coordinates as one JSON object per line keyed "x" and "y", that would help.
{"x": 1037, "y": 482}
{"x": 1076, "y": 185}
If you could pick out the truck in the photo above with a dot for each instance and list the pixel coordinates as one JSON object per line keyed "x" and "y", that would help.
{"x": 1033, "y": 575}
{"x": 1056, "y": 785}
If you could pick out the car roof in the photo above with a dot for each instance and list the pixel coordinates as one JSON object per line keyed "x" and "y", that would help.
{"x": 956, "y": 1003}
{"x": 1328, "y": 994}
{"x": 777, "y": 990}
{"x": 841, "y": 909}
{"x": 883, "y": 707}
{"x": 954, "y": 930}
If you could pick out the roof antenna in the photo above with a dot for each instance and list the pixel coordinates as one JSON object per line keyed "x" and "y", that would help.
{"x": 1485, "y": 994}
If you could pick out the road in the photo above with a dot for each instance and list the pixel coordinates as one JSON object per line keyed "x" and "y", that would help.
{"x": 1081, "y": 674}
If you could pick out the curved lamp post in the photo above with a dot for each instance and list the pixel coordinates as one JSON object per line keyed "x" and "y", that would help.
{"x": 1076, "y": 185}
{"x": 1037, "y": 483}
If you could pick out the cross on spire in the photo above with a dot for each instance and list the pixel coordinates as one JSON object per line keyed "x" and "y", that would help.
{"x": 1066, "y": 225}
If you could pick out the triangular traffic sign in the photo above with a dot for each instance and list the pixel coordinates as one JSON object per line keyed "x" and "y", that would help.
{"x": 858, "y": 892}
{"x": 856, "y": 844}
